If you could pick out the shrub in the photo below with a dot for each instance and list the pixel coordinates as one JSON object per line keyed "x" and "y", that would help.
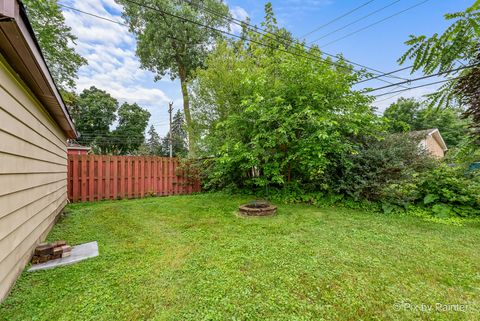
{"x": 449, "y": 190}
{"x": 272, "y": 119}
{"x": 383, "y": 168}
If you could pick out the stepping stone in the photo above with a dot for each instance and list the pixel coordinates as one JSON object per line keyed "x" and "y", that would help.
{"x": 79, "y": 253}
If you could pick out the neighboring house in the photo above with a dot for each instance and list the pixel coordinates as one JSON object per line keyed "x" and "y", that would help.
{"x": 34, "y": 128}
{"x": 77, "y": 149}
{"x": 431, "y": 140}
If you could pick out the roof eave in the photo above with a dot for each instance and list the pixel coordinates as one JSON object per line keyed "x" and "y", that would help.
{"x": 438, "y": 137}
{"x": 20, "y": 48}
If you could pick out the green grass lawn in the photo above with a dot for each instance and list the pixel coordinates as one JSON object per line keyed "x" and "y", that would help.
{"x": 192, "y": 258}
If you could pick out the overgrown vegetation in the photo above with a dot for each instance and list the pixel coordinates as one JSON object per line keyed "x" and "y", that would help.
{"x": 290, "y": 126}
{"x": 271, "y": 116}
{"x": 454, "y": 53}
{"x": 394, "y": 160}
{"x": 274, "y": 119}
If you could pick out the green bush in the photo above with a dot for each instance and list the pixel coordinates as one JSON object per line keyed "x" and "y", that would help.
{"x": 272, "y": 119}
{"x": 449, "y": 190}
{"x": 384, "y": 168}
{"x": 443, "y": 190}
{"x": 295, "y": 130}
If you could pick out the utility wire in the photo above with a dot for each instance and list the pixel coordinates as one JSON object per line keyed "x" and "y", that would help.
{"x": 420, "y": 86}
{"x": 385, "y": 74}
{"x": 395, "y": 71}
{"x": 319, "y": 59}
{"x": 202, "y": 25}
{"x": 265, "y": 32}
{"x": 424, "y": 77}
{"x": 354, "y": 22}
{"x": 105, "y": 18}
{"x": 336, "y": 19}
{"x": 379, "y": 101}
{"x": 398, "y": 84}
{"x": 375, "y": 23}
{"x": 389, "y": 92}
{"x": 276, "y": 37}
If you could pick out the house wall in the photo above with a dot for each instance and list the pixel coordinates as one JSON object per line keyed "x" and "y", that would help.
{"x": 434, "y": 148}
{"x": 33, "y": 175}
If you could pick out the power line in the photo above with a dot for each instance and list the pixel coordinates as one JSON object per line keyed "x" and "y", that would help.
{"x": 395, "y": 71}
{"x": 420, "y": 86}
{"x": 385, "y": 74}
{"x": 265, "y": 33}
{"x": 336, "y": 19}
{"x": 354, "y": 22}
{"x": 424, "y": 77}
{"x": 379, "y": 101}
{"x": 202, "y": 25}
{"x": 105, "y": 18}
{"x": 92, "y": 14}
{"x": 319, "y": 59}
{"x": 375, "y": 23}
{"x": 112, "y": 135}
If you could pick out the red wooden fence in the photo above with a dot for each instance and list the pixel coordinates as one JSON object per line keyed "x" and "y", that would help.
{"x": 100, "y": 177}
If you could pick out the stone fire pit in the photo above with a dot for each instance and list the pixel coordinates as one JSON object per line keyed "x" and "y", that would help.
{"x": 257, "y": 208}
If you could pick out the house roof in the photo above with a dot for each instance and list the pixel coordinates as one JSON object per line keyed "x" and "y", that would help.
{"x": 19, "y": 47}
{"x": 434, "y": 132}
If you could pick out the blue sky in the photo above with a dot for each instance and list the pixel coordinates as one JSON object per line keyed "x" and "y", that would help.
{"x": 110, "y": 49}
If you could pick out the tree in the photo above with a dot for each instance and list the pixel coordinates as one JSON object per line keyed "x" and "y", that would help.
{"x": 167, "y": 44}
{"x": 129, "y": 135}
{"x": 402, "y": 114}
{"x": 457, "y": 47}
{"x": 93, "y": 115}
{"x": 275, "y": 119}
{"x": 55, "y": 39}
{"x": 449, "y": 121}
{"x": 408, "y": 114}
{"x": 154, "y": 144}
{"x": 179, "y": 137}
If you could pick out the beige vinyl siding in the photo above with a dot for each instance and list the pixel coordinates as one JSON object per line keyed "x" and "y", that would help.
{"x": 33, "y": 175}
{"x": 434, "y": 147}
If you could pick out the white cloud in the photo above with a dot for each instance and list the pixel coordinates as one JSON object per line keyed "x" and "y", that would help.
{"x": 112, "y": 64}
{"x": 238, "y": 13}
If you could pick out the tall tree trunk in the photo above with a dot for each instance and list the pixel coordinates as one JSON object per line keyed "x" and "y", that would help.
{"x": 186, "y": 112}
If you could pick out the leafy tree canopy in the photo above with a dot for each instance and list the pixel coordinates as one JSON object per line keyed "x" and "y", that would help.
{"x": 169, "y": 45}
{"x": 55, "y": 39}
{"x": 273, "y": 118}
{"x": 456, "y": 47}
{"x": 95, "y": 112}
{"x": 130, "y": 131}
{"x": 403, "y": 114}
{"x": 408, "y": 114}
{"x": 154, "y": 144}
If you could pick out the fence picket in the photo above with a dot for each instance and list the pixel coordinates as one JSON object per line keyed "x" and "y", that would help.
{"x": 99, "y": 177}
